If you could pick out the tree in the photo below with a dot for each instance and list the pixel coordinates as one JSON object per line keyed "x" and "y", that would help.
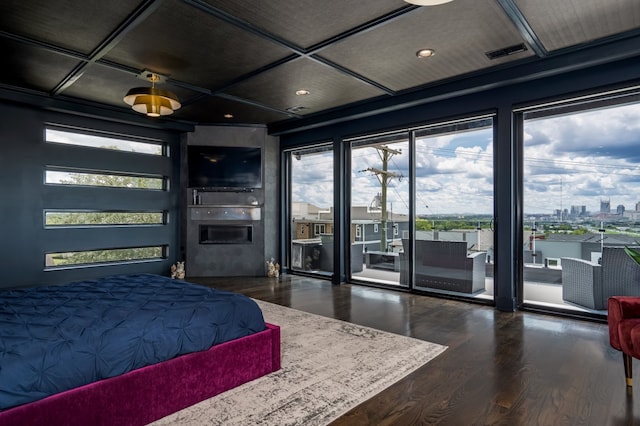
{"x": 101, "y": 218}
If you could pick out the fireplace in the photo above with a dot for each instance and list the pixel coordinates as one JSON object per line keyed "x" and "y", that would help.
{"x": 226, "y": 234}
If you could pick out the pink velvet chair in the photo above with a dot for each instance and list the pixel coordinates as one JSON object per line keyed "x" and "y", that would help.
{"x": 624, "y": 329}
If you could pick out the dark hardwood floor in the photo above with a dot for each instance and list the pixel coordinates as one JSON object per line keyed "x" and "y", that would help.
{"x": 499, "y": 369}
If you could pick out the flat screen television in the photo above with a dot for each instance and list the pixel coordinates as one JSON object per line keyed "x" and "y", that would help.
{"x": 224, "y": 167}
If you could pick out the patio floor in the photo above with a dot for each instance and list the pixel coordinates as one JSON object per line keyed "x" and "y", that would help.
{"x": 535, "y": 293}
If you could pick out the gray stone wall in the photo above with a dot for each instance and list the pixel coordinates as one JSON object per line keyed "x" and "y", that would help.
{"x": 242, "y": 259}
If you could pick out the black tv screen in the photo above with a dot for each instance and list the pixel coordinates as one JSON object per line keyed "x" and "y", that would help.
{"x": 224, "y": 167}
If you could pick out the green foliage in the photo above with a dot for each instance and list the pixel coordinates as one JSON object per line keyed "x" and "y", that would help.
{"x": 103, "y": 218}
{"x": 633, "y": 253}
{"x": 105, "y": 256}
{"x": 107, "y": 218}
{"x": 447, "y": 224}
{"x": 116, "y": 181}
{"x": 423, "y": 225}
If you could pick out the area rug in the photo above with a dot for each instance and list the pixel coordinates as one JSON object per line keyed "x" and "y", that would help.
{"x": 328, "y": 367}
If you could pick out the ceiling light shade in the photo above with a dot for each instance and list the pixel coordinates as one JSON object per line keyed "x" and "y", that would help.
{"x": 428, "y": 2}
{"x": 152, "y": 101}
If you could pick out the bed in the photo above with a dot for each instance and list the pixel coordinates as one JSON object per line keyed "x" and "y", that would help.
{"x": 125, "y": 350}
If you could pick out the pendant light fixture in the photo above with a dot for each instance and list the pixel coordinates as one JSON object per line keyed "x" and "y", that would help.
{"x": 152, "y": 101}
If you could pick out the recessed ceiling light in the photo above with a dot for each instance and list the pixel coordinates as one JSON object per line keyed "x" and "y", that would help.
{"x": 302, "y": 92}
{"x": 425, "y": 53}
{"x": 228, "y": 115}
{"x": 428, "y": 2}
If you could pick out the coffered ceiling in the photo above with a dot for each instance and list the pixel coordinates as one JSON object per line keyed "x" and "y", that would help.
{"x": 247, "y": 58}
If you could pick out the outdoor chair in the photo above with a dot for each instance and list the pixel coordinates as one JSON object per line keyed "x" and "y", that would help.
{"x": 590, "y": 284}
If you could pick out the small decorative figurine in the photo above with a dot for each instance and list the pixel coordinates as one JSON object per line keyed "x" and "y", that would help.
{"x": 177, "y": 270}
{"x": 273, "y": 269}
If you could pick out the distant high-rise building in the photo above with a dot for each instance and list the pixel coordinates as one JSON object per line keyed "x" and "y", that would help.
{"x": 578, "y": 211}
{"x": 638, "y": 206}
{"x": 620, "y": 209}
{"x": 605, "y": 206}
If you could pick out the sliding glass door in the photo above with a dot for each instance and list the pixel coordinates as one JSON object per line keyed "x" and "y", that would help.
{"x": 379, "y": 207}
{"x": 454, "y": 208}
{"x": 581, "y": 202}
{"x": 449, "y": 248}
{"x": 311, "y": 210}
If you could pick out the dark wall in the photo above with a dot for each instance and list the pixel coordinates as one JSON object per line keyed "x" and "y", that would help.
{"x": 23, "y": 158}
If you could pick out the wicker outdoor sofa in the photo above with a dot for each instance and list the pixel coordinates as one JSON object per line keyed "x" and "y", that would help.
{"x": 590, "y": 284}
{"x": 445, "y": 265}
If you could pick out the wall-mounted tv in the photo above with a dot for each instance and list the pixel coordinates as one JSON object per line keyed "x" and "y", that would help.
{"x": 224, "y": 167}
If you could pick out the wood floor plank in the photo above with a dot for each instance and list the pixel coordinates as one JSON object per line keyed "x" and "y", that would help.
{"x": 500, "y": 368}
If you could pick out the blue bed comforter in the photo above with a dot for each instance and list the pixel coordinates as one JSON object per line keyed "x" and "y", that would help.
{"x": 60, "y": 337}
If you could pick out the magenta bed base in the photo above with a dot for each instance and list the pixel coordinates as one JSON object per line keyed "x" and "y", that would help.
{"x": 150, "y": 393}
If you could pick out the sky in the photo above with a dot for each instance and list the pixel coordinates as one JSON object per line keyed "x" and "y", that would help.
{"x": 71, "y": 138}
{"x": 583, "y": 158}
{"x": 574, "y": 159}
{"x": 74, "y": 138}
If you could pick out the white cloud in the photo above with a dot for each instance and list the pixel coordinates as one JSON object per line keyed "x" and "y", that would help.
{"x": 581, "y": 159}
{"x": 573, "y": 159}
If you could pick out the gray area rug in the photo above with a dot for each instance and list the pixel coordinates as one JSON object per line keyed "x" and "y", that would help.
{"x": 328, "y": 367}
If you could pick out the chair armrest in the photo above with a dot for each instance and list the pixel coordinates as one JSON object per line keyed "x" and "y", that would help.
{"x": 621, "y": 308}
{"x": 475, "y": 258}
{"x": 582, "y": 283}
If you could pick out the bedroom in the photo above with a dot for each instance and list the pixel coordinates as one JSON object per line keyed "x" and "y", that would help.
{"x": 71, "y": 69}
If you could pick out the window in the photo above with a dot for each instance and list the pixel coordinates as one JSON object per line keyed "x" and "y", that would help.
{"x": 93, "y": 192}
{"x": 54, "y": 218}
{"x": 379, "y": 199}
{"x": 452, "y": 211}
{"x": 58, "y": 134}
{"x": 311, "y": 188}
{"x": 101, "y": 257}
{"x": 454, "y": 207}
{"x": 113, "y": 180}
{"x": 580, "y": 198}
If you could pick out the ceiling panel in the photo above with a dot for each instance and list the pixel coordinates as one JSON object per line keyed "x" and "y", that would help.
{"x": 563, "y": 23}
{"x": 460, "y": 32}
{"x": 76, "y": 25}
{"x": 307, "y": 22}
{"x": 105, "y": 85}
{"x": 190, "y": 45}
{"x": 251, "y": 56}
{"x": 328, "y": 88}
{"x": 213, "y": 110}
{"x": 31, "y": 67}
